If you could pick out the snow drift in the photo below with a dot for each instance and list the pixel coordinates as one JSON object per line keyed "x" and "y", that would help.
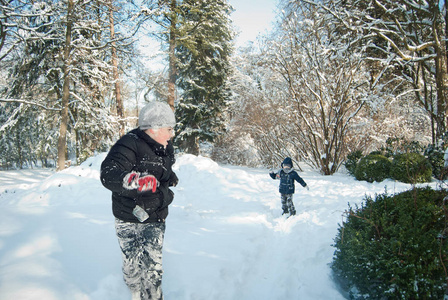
{"x": 225, "y": 238}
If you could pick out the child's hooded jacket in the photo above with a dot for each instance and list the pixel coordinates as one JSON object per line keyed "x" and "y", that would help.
{"x": 287, "y": 178}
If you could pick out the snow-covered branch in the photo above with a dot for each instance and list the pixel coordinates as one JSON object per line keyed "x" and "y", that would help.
{"x": 30, "y": 102}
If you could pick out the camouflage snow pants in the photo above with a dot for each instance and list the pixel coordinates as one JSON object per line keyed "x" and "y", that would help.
{"x": 141, "y": 247}
{"x": 287, "y": 204}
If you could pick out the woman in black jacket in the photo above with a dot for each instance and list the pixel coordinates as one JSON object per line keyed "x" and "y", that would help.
{"x": 138, "y": 171}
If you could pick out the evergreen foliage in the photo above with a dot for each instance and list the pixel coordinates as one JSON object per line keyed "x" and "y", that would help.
{"x": 400, "y": 160}
{"x": 437, "y": 162}
{"x": 395, "y": 247}
{"x": 203, "y": 70}
{"x": 373, "y": 167}
{"x": 29, "y": 139}
{"x": 33, "y": 86}
{"x": 435, "y": 155}
{"x": 411, "y": 168}
{"x": 32, "y": 73}
{"x": 352, "y": 161}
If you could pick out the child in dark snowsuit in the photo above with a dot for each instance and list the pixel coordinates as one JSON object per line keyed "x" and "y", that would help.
{"x": 287, "y": 175}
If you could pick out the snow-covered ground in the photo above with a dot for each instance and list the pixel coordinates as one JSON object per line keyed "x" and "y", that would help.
{"x": 225, "y": 237}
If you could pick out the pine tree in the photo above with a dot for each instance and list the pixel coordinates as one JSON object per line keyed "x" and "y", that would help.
{"x": 61, "y": 63}
{"x": 30, "y": 64}
{"x": 203, "y": 70}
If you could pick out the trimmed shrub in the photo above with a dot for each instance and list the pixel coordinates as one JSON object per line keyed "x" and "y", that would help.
{"x": 435, "y": 157}
{"x": 352, "y": 161}
{"x": 373, "y": 167}
{"x": 411, "y": 168}
{"x": 377, "y": 152}
{"x": 394, "y": 247}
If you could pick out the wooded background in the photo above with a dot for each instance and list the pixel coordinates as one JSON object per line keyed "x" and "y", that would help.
{"x": 330, "y": 78}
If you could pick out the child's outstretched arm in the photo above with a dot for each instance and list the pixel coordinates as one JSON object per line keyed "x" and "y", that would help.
{"x": 273, "y": 174}
{"x": 301, "y": 181}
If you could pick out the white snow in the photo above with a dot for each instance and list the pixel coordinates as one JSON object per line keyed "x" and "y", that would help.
{"x": 225, "y": 237}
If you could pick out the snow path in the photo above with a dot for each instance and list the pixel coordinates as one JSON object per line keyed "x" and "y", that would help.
{"x": 225, "y": 237}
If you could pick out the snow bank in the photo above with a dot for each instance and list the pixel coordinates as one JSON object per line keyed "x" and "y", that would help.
{"x": 225, "y": 238}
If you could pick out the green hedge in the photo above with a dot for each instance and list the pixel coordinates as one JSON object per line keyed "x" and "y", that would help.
{"x": 411, "y": 168}
{"x": 435, "y": 157}
{"x": 373, "y": 167}
{"x": 352, "y": 161}
{"x": 407, "y": 167}
{"x": 394, "y": 247}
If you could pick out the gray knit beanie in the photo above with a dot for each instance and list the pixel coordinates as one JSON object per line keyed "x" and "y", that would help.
{"x": 156, "y": 114}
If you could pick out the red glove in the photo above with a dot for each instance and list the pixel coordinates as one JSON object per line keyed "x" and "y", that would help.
{"x": 147, "y": 183}
{"x": 130, "y": 181}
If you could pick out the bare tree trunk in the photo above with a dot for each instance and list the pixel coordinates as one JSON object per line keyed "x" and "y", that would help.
{"x": 172, "y": 57}
{"x": 118, "y": 98}
{"x": 442, "y": 90}
{"x": 62, "y": 141}
{"x": 2, "y": 36}
{"x": 441, "y": 73}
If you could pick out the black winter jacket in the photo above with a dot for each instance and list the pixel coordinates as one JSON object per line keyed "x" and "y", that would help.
{"x": 137, "y": 151}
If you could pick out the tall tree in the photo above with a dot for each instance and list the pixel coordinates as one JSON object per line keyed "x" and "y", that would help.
{"x": 203, "y": 74}
{"x": 30, "y": 65}
{"x": 116, "y": 77}
{"x": 197, "y": 36}
{"x": 62, "y": 142}
{"x": 62, "y": 62}
{"x": 172, "y": 69}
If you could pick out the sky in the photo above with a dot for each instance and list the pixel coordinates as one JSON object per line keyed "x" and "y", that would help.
{"x": 252, "y": 17}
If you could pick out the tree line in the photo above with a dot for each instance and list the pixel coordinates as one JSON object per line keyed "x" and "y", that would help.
{"x": 337, "y": 76}
{"x": 69, "y": 67}
{"x": 331, "y": 77}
